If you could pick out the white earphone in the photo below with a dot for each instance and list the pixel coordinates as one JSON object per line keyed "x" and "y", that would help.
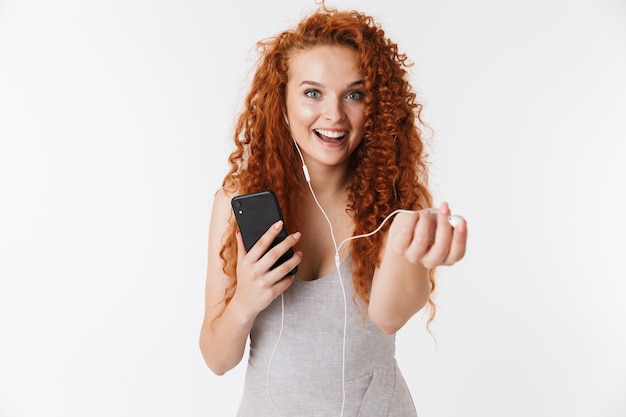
{"x": 453, "y": 220}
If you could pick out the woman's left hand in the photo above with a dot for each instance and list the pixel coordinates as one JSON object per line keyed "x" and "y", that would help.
{"x": 428, "y": 238}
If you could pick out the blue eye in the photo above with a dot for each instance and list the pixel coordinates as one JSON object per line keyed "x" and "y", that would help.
{"x": 355, "y": 95}
{"x": 312, "y": 93}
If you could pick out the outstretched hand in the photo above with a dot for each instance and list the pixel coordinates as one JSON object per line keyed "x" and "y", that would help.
{"x": 428, "y": 238}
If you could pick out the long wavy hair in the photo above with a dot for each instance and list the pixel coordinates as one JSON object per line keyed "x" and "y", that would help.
{"x": 389, "y": 167}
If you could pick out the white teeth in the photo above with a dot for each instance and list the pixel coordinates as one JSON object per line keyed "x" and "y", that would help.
{"x": 330, "y": 133}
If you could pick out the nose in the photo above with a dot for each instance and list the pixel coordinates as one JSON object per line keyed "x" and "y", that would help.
{"x": 333, "y": 109}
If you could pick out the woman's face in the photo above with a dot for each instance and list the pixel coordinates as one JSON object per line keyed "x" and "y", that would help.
{"x": 325, "y": 107}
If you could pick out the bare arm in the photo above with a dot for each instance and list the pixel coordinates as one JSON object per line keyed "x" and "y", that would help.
{"x": 414, "y": 244}
{"x": 223, "y": 341}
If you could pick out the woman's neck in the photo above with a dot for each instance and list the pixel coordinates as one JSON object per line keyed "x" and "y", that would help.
{"x": 330, "y": 181}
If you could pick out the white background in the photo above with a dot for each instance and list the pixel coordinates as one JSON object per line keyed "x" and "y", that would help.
{"x": 115, "y": 121}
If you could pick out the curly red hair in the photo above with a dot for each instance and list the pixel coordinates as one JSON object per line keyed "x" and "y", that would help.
{"x": 389, "y": 168}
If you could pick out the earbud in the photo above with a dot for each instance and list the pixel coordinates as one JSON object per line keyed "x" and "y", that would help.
{"x": 454, "y": 220}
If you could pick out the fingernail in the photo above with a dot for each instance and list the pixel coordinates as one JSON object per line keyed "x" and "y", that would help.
{"x": 297, "y": 235}
{"x": 278, "y": 224}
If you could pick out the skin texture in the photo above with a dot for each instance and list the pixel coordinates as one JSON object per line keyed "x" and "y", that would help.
{"x": 365, "y": 159}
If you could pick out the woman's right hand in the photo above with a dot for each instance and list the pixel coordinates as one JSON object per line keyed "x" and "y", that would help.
{"x": 257, "y": 285}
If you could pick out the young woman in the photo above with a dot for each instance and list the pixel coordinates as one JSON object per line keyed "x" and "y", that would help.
{"x": 331, "y": 94}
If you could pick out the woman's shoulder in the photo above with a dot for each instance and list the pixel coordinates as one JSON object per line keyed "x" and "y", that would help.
{"x": 222, "y": 194}
{"x": 221, "y": 203}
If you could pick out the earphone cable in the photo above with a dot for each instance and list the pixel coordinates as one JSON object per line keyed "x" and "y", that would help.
{"x": 338, "y": 266}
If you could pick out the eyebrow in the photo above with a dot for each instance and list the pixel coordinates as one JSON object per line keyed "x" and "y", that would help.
{"x": 315, "y": 83}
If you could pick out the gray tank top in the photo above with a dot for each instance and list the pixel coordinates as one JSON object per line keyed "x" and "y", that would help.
{"x": 301, "y": 375}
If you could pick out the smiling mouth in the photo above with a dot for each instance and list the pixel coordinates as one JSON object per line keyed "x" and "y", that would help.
{"x": 330, "y": 135}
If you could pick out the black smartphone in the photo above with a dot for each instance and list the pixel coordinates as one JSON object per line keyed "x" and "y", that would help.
{"x": 255, "y": 214}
